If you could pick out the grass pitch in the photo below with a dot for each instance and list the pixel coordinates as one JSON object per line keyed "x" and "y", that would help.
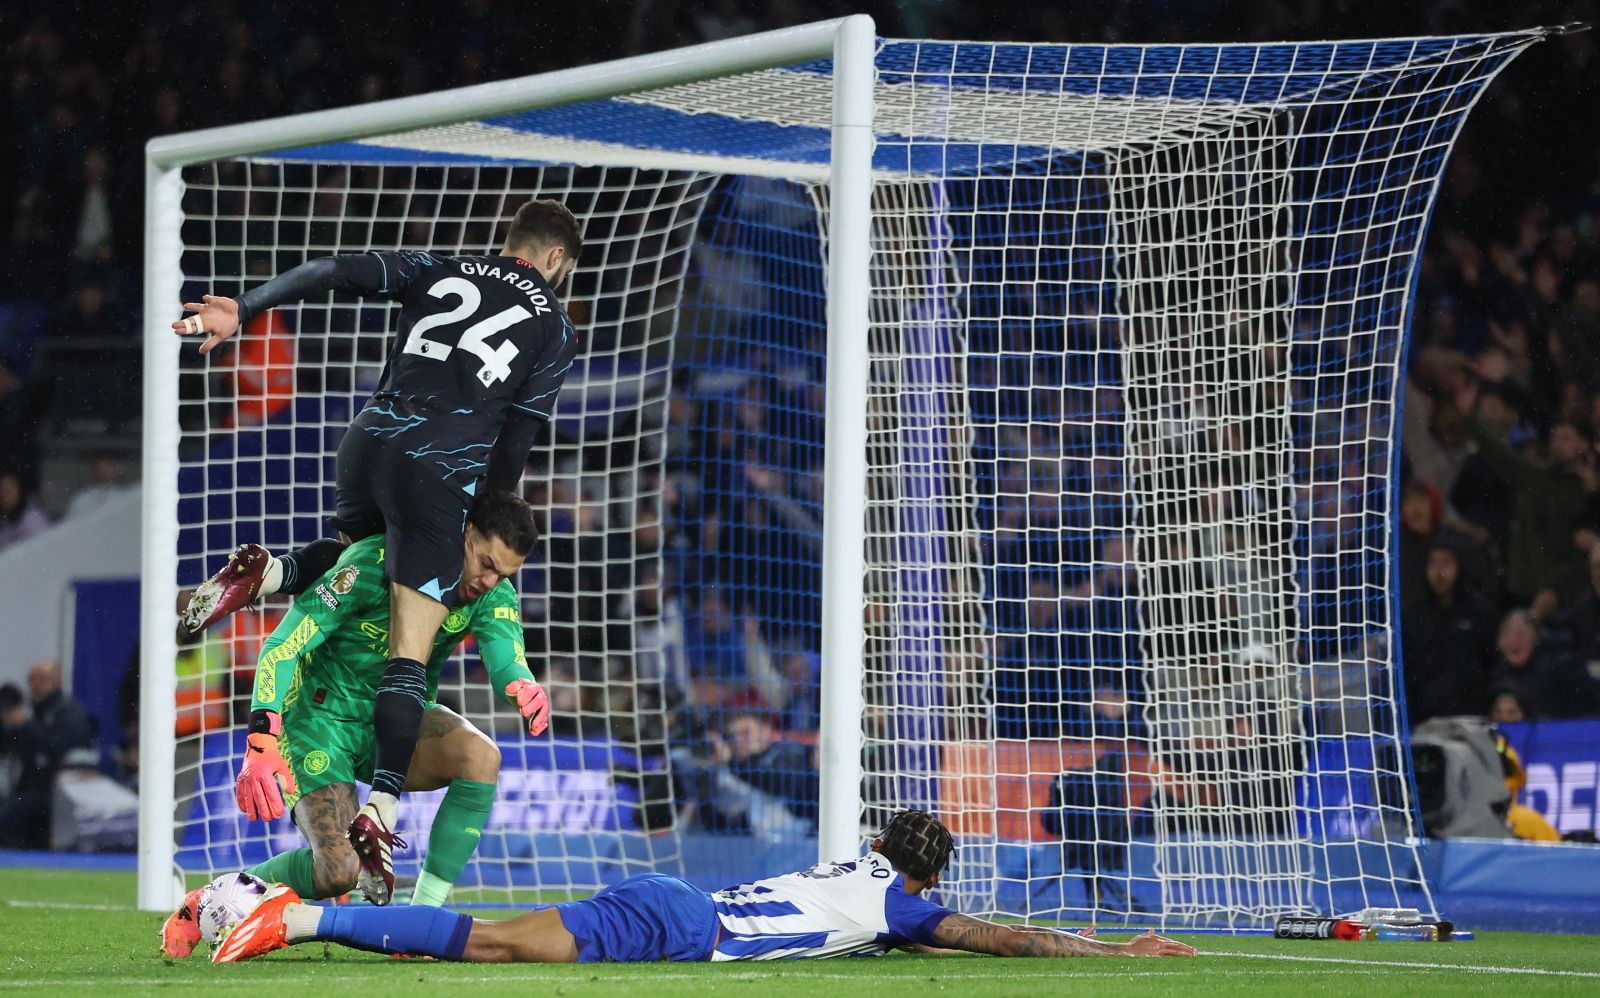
{"x": 77, "y": 933}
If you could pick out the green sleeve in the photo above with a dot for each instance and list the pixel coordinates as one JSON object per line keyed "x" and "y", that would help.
{"x": 1502, "y": 460}
{"x": 344, "y": 591}
{"x": 497, "y": 624}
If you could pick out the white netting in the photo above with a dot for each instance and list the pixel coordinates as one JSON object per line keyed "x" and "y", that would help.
{"x": 261, "y": 426}
{"x": 1136, "y": 320}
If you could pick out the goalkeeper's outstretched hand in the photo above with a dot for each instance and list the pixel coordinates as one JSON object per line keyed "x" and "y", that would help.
{"x": 531, "y": 700}
{"x": 263, "y": 779}
{"x": 215, "y": 317}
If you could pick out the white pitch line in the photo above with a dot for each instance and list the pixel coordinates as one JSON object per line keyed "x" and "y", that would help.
{"x": 1403, "y": 963}
{"x": 218, "y": 979}
{"x": 69, "y": 906}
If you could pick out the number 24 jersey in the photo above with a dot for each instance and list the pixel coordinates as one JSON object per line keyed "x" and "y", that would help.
{"x": 477, "y": 336}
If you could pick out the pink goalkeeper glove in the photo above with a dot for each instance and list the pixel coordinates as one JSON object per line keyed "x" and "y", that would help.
{"x": 264, "y": 777}
{"x": 531, "y": 700}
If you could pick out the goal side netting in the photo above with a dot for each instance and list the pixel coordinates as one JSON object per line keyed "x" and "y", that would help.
{"x": 1136, "y": 324}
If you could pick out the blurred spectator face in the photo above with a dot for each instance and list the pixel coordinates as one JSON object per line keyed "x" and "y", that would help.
{"x": 1566, "y": 445}
{"x": 104, "y": 468}
{"x": 749, "y": 735}
{"x": 1449, "y": 428}
{"x": 44, "y": 678}
{"x": 10, "y": 492}
{"x": 1416, "y": 510}
{"x": 90, "y": 301}
{"x": 1517, "y": 639}
{"x": 1443, "y": 570}
{"x": 1546, "y": 282}
{"x": 800, "y": 668}
{"x": 1494, "y": 413}
{"x": 1507, "y": 709}
{"x": 1586, "y": 298}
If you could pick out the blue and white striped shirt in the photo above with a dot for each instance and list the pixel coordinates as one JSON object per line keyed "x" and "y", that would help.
{"x": 858, "y": 908}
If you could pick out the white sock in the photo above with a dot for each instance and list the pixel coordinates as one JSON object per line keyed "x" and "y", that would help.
{"x": 272, "y": 578}
{"x": 300, "y": 922}
{"x": 430, "y": 890}
{"x": 387, "y": 806}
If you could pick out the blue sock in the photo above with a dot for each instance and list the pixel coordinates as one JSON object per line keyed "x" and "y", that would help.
{"x": 412, "y": 929}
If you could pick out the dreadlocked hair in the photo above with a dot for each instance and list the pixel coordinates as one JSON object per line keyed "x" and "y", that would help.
{"x": 916, "y": 843}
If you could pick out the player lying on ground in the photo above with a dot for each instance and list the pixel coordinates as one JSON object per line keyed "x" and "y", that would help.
{"x": 482, "y": 347}
{"x": 321, "y": 667}
{"x": 859, "y": 908}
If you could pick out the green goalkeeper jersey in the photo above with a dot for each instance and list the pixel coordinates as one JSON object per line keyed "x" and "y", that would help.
{"x": 333, "y": 645}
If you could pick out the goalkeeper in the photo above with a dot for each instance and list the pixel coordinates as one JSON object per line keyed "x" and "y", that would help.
{"x": 321, "y": 668}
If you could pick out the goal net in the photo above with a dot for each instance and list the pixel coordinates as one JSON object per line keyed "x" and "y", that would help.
{"x": 1136, "y": 321}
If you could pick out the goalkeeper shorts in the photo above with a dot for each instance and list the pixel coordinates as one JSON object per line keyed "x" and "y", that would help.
{"x": 645, "y": 918}
{"x": 322, "y": 749}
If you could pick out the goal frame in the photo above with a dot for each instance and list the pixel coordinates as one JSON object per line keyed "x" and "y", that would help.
{"x": 851, "y": 43}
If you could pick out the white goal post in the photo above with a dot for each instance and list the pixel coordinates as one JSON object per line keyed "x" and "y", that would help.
{"x": 1007, "y": 430}
{"x": 848, "y": 41}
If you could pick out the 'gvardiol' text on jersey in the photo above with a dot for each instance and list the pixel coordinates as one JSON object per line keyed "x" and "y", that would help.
{"x": 477, "y": 336}
{"x": 858, "y": 908}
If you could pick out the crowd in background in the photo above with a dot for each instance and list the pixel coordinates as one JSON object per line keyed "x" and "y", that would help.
{"x": 1499, "y": 564}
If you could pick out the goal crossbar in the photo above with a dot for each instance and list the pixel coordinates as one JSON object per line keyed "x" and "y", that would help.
{"x": 850, "y": 43}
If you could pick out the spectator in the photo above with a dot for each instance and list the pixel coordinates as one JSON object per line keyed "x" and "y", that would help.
{"x": 20, "y": 514}
{"x": 1543, "y": 674}
{"x": 1507, "y": 708}
{"x": 13, "y": 714}
{"x": 1580, "y": 621}
{"x": 107, "y": 481}
{"x": 59, "y": 723}
{"x": 1449, "y": 642}
{"x": 1435, "y": 438}
{"x": 751, "y": 783}
{"x": 1484, "y": 501}
{"x": 1549, "y": 502}
{"x": 717, "y": 654}
{"x": 1422, "y": 529}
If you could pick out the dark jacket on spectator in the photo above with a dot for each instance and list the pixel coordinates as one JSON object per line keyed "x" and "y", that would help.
{"x": 1550, "y": 504}
{"x": 59, "y": 724}
{"x": 1580, "y": 622}
{"x": 782, "y": 770}
{"x": 1449, "y": 654}
{"x": 1553, "y": 682}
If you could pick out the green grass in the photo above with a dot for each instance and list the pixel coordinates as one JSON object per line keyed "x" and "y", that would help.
{"x": 69, "y": 933}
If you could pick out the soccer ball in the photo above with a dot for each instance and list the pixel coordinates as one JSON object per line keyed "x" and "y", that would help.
{"x": 226, "y": 901}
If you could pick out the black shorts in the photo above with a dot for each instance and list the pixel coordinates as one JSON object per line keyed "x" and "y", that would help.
{"x": 382, "y": 489}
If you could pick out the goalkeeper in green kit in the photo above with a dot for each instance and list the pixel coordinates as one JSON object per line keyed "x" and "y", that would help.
{"x": 311, "y": 730}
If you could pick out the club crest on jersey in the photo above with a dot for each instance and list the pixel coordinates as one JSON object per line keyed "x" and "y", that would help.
{"x": 457, "y": 621}
{"x": 344, "y": 580}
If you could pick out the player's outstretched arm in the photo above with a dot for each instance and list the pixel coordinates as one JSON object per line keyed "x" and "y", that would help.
{"x": 974, "y": 935}
{"x": 366, "y": 274}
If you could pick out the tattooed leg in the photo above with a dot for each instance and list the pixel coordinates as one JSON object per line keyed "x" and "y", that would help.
{"x": 323, "y": 816}
{"x": 450, "y": 748}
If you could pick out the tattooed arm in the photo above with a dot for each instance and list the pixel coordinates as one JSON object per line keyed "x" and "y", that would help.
{"x": 974, "y": 935}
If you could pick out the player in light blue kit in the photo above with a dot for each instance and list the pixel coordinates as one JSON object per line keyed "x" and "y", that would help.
{"x": 863, "y": 907}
